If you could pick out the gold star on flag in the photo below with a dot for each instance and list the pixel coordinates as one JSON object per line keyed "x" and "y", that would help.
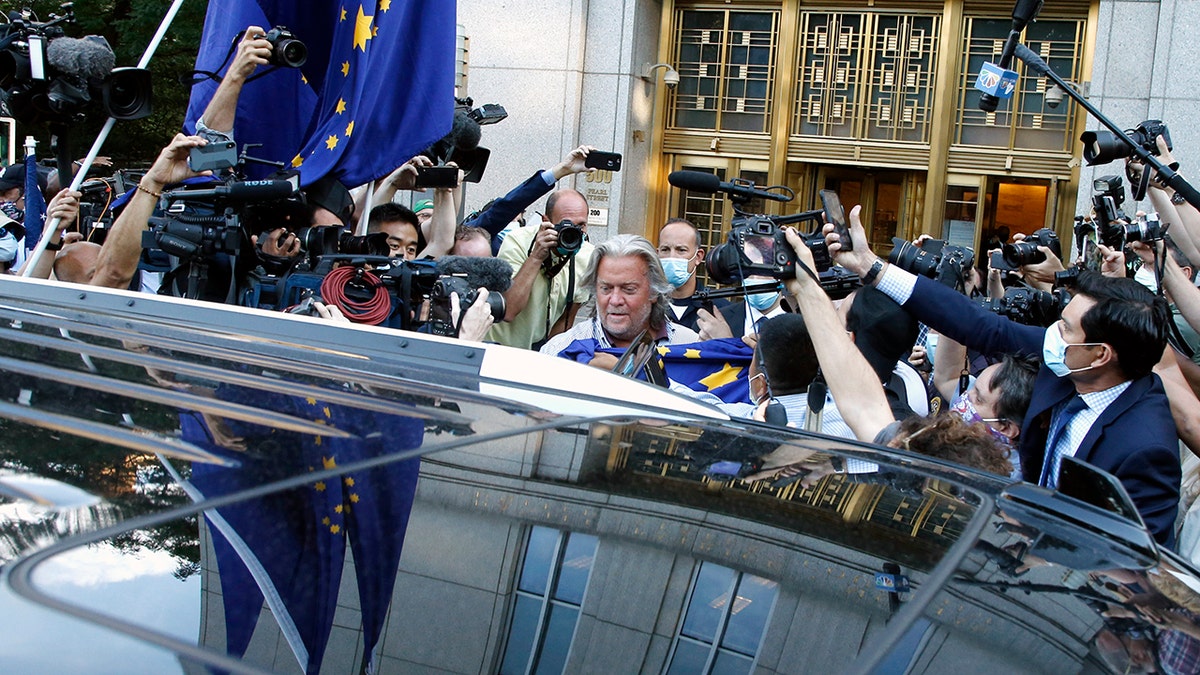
{"x": 691, "y": 354}
{"x": 331, "y": 142}
{"x": 326, "y": 411}
{"x": 349, "y": 128}
{"x": 338, "y": 509}
{"x": 374, "y": 31}
{"x": 663, "y": 351}
{"x": 385, "y": 5}
{"x": 335, "y": 529}
{"x": 345, "y": 68}
{"x": 316, "y": 440}
{"x": 354, "y": 497}
{"x": 349, "y": 482}
{"x": 329, "y": 462}
{"x": 722, "y": 377}
{"x": 325, "y": 520}
{"x": 310, "y": 401}
{"x": 340, "y": 107}
{"x": 320, "y": 486}
{"x": 296, "y": 162}
{"x": 362, "y": 29}
{"x": 304, "y": 79}
{"x": 342, "y": 17}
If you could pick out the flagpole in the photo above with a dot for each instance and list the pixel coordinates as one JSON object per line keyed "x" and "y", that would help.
{"x": 52, "y": 225}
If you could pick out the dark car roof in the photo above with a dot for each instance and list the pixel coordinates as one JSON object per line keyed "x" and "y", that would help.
{"x": 186, "y": 483}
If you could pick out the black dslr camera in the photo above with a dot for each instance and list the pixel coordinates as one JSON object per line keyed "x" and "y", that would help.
{"x": 1029, "y": 306}
{"x": 758, "y": 246}
{"x": 322, "y": 240}
{"x": 442, "y": 320}
{"x": 935, "y": 259}
{"x": 287, "y": 51}
{"x": 570, "y": 238}
{"x": 1102, "y": 147}
{"x": 1026, "y": 252}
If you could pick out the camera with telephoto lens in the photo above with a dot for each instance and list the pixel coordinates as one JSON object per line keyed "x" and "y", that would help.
{"x": 570, "y": 238}
{"x": 322, "y": 240}
{"x": 758, "y": 246}
{"x": 1102, "y": 147}
{"x": 442, "y": 320}
{"x": 1029, "y": 306}
{"x": 1026, "y": 252}
{"x": 934, "y": 258}
{"x": 286, "y": 50}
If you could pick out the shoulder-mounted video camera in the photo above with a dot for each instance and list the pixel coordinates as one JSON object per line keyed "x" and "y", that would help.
{"x": 48, "y": 77}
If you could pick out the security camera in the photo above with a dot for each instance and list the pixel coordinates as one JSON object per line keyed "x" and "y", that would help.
{"x": 671, "y": 78}
{"x": 1054, "y": 96}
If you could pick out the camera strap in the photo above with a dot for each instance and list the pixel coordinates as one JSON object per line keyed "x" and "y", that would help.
{"x": 807, "y": 270}
{"x": 551, "y": 271}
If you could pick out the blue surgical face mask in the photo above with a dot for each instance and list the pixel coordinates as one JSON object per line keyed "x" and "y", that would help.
{"x": 677, "y": 270}
{"x": 1054, "y": 351}
{"x": 763, "y": 301}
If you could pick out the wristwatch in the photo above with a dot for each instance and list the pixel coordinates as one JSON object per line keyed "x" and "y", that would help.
{"x": 876, "y": 268}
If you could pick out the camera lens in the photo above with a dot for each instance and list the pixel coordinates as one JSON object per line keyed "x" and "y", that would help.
{"x": 912, "y": 258}
{"x": 1023, "y": 253}
{"x": 570, "y": 238}
{"x": 722, "y": 264}
{"x": 1102, "y": 147}
{"x": 292, "y": 53}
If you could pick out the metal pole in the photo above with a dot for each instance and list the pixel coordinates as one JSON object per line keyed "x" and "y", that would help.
{"x": 48, "y": 231}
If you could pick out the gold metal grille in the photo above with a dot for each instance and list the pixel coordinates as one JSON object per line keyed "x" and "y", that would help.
{"x": 866, "y": 75}
{"x": 1024, "y": 121}
{"x": 726, "y": 64}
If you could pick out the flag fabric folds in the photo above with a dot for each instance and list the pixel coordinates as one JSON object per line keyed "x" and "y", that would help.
{"x": 718, "y": 367}
{"x": 289, "y": 547}
{"x": 35, "y": 203}
{"x": 378, "y": 86}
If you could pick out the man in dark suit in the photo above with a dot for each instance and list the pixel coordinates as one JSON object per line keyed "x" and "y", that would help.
{"x": 1094, "y": 398}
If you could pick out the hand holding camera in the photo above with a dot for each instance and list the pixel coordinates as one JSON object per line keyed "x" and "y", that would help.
{"x": 253, "y": 51}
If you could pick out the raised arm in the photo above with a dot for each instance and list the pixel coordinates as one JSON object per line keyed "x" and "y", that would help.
{"x": 252, "y": 52}
{"x": 118, "y": 257}
{"x": 864, "y": 405}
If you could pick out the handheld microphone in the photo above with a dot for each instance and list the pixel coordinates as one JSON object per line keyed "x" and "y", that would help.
{"x": 491, "y": 273}
{"x": 245, "y": 191}
{"x": 698, "y": 181}
{"x": 996, "y": 80}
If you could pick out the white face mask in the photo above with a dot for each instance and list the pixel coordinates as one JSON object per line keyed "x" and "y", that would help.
{"x": 1145, "y": 277}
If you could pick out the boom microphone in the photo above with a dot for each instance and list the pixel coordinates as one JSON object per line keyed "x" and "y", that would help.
{"x": 1023, "y": 12}
{"x": 245, "y": 191}
{"x": 87, "y": 57}
{"x": 491, "y": 273}
{"x": 699, "y": 181}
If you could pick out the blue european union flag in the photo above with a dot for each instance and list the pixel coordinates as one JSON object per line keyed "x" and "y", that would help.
{"x": 35, "y": 204}
{"x": 719, "y": 367}
{"x": 290, "y": 546}
{"x": 377, "y": 88}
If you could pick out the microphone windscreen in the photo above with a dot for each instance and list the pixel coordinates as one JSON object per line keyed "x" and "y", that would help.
{"x": 465, "y": 133}
{"x": 84, "y": 57}
{"x": 491, "y": 273}
{"x": 695, "y": 180}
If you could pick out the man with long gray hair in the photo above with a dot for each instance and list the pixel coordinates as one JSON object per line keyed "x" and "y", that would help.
{"x": 631, "y": 295}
